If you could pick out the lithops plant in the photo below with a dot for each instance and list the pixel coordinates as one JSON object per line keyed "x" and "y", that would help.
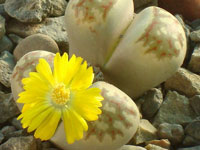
{"x": 116, "y": 125}
{"x": 96, "y": 26}
{"x": 25, "y": 65}
{"x": 134, "y": 54}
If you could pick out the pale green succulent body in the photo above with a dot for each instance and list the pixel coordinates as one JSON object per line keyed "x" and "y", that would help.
{"x": 98, "y": 30}
{"x": 135, "y": 52}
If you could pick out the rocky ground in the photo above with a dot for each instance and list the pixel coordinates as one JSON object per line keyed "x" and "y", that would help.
{"x": 170, "y": 112}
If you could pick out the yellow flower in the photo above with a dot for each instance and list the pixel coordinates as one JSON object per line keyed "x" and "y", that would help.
{"x": 62, "y": 95}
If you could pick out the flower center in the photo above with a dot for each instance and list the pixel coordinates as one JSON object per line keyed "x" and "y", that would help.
{"x": 60, "y": 94}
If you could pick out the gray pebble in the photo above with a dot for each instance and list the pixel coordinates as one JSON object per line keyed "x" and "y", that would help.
{"x": 195, "y": 103}
{"x": 185, "y": 82}
{"x": 53, "y": 27}
{"x": 8, "y": 107}
{"x": 7, "y": 129}
{"x": 195, "y": 36}
{"x": 25, "y": 12}
{"x": 16, "y": 134}
{"x": 16, "y": 123}
{"x": 19, "y": 143}
{"x": 2, "y": 1}
{"x": 35, "y": 42}
{"x": 15, "y": 38}
{"x": 175, "y": 109}
{"x": 193, "y": 129}
{"x": 190, "y": 141}
{"x": 194, "y": 64}
{"x": 5, "y": 73}
{"x": 3, "y": 12}
{"x": 195, "y": 24}
{"x": 2, "y": 27}
{"x": 46, "y": 144}
{"x": 190, "y": 148}
{"x": 173, "y": 132}
{"x": 153, "y": 100}
{"x": 1, "y": 137}
{"x": 6, "y": 44}
{"x": 7, "y": 57}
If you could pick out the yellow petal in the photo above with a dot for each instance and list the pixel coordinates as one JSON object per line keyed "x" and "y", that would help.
{"x": 68, "y": 127}
{"x": 48, "y": 127}
{"x": 44, "y": 70}
{"x": 27, "y": 99}
{"x": 37, "y": 120}
{"x": 57, "y": 67}
{"x": 86, "y": 103}
{"x": 37, "y": 80}
{"x": 64, "y": 64}
{"x": 72, "y": 68}
{"x": 32, "y": 111}
{"x": 42, "y": 114}
{"x": 83, "y": 78}
{"x": 74, "y": 125}
{"x": 60, "y": 67}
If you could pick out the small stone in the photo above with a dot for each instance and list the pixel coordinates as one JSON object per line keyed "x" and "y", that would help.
{"x": 8, "y": 107}
{"x": 131, "y": 147}
{"x": 2, "y": 27}
{"x": 194, "y": 64}
{"x": 53, "y": 27}
{"x": 39, "y": 144}
{"x": 154, "y": 147}
{"x": 16, "y": 134}
{"x": 34, "y": 11}
{"x": 173, "y": 132}
{"x": 198, "y": 28}
{"x": 5, "y": 73}
{"x": 1, "y": 137}
{"x": 142, "y": 3}
{"x": 19, "y": 143}
{"x": 190, "y": 141}
{"x": 195, "y": 103}
{"x": 184, "y": 82}
{"x": 195, "y": 36}
{"x": 2, "y": 1}
{"x": 190, "y": 148}
{"x": 139, "y": 103}
{"x": 164, "y": 143}
{"x": 195, "y": 24}
{"x": 7, "y": 129}
{"x": 145, "y": 132}
{"x": 35, "y": 42}
{"x": 3, "y": 12}
{"x": 193, "y": 129}
{"x": 153, "y": 100}
{"x": 98, "y": 75}
{"x": 50, "y": 149}
{"x": 187, "y": 29}
{"x": 15, "y": 38}
{"x": 6, "y": 44}
{"x": 46, "y": 144}
{"x": 10, "y": 131}
{"x": 7, "y": 57}
{"x": 16, "y": 123}
{"x": 175, "y": 109}
{"x": 58, "y": 7}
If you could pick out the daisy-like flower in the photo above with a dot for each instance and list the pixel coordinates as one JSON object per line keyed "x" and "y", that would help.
{"x": 62, "y": 95}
